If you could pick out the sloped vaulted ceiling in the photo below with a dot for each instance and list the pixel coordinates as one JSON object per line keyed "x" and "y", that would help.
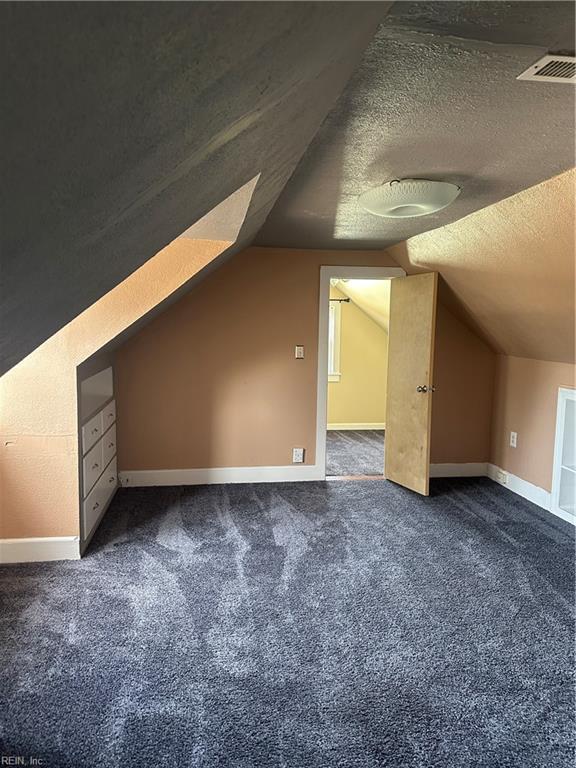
{"x": 371, "y": 296}
{"x": 510, "y": 268}
{"x": 124, "y": 123}
{"x": 435, "y": 96}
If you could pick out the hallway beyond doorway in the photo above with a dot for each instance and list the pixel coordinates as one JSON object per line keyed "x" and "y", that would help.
{"x": 355, "y": 452}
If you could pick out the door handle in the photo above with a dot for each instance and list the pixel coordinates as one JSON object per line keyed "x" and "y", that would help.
{"x": 422, "y": 389}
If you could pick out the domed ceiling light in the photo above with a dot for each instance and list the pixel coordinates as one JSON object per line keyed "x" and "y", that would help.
{"x": 405, "y": 198}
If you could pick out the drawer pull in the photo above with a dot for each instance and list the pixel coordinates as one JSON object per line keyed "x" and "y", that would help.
{"x": 111, "y": 445}
{"x": 110, "y": 415}
{"x": 95, "y": 466}
{"x": 96, "y": 506}
{"x": 95, "y": 431}
{"x": 111, "y": 479}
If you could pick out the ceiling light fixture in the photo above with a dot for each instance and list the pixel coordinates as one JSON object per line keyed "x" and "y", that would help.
{"x": 405, "y": 198}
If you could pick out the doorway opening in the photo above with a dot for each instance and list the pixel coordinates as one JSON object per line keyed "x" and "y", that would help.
{"x": 358, "y": 324}
{"x": 353, "y": 342}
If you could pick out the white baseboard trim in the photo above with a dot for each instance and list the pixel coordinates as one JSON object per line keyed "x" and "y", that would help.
{"x": 523, "y": 488}
{"x": 533, "y": 493}
{"x": 369, "y": 425}
{"x": 220, "y": 475}
{"x": 529, "y": 491}
{"x": 299, "y": 473}
{"x": 41, "y": 549}
{"x": 564, "y": 515}
{"x": 471, "y": 469}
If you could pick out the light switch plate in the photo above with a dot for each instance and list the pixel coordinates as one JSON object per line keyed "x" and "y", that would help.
{"x": 299, "y": 352}
{"x": 297, "y": 455}
{"x": 513, "y": 439}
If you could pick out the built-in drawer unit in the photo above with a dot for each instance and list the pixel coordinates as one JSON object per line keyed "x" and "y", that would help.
{"x": 97, "y": 500}
{"x": 92, "y": 466}
{"x": 98, "y": 470}
{"x": 109, "y": 444}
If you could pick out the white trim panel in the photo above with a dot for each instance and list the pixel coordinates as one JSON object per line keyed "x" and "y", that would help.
{"x": 348, "y": 425}
{"x": 564, "y": 395}
{"x": 219, "y": 476}
{"x": 334, "y": 364}
{"x": 39, "y": 550}
{"x": 471, "y": 469}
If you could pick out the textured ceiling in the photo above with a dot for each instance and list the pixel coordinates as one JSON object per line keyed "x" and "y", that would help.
{"x": 435, "y": 96}
{"x": 124, "y": 123}
{"x": 510, "y": 268}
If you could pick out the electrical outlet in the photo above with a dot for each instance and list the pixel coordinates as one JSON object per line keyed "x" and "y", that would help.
{"x": 501, "y": 477}
{"x": 299, "y": 352}
{"x": 513, "y": 439}
{"x": 297, "y": 455}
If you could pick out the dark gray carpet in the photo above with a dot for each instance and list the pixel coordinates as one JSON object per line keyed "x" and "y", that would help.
{"x": 355, "y": 452}
{"x": 304, "y": 625}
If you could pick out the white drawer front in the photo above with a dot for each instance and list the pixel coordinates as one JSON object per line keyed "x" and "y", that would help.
{"x": 91, "y": 432}
{"x": 99, "y": 497}
{"x": 108, "y": 415}
{"x": 92, "y": 466}
{"x": 109, "y": 445}
{"x": 109, "y": 480}
{"x": 93, "y": 506}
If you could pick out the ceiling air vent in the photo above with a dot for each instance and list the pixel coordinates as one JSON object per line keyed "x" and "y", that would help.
{"x": 552, "y": 69}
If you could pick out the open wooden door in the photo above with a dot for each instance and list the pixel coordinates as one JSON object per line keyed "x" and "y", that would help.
{"x": 410, "y": 384}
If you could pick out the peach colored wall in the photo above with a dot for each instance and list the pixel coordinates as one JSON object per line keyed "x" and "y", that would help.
{"x": 526, "y": 393}
{"x": 212, "y": 382}
{"x": 464, "y": 369}
{"x": 39, "y": 485}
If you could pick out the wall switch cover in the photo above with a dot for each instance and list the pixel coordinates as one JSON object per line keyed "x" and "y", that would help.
{"x": 513, "y": 439}
{"x": 297, "y": 455}
{"x": 299, "y": 352}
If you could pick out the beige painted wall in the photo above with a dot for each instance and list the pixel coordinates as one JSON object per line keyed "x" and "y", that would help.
{"x": 213, "y": 382}
{"x": 464, "y": 368}
{"x": 39, "y": 484}
{"x": 526, "y": 393}
{"x": 360, "y": 395}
